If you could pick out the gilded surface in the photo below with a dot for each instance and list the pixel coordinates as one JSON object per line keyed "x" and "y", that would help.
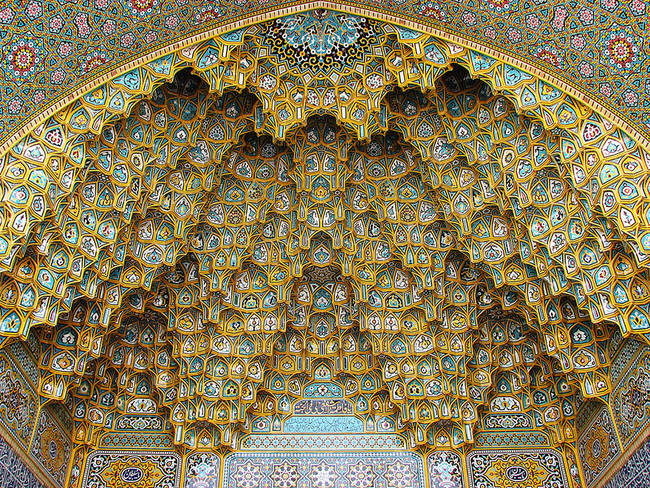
{"x": 325, "y": 224}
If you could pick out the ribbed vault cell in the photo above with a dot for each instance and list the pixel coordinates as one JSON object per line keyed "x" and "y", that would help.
{"x": 445, "y": 269}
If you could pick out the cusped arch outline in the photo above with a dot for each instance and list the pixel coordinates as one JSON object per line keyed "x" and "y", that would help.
{"x": 370, "y": 11}
{"x": 588, "y": 139}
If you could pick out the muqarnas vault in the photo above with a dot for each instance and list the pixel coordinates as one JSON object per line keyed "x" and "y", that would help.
{"x": 321, "y": 251}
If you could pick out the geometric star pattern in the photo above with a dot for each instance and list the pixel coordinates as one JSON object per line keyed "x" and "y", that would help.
{"x": 447, "y": 235}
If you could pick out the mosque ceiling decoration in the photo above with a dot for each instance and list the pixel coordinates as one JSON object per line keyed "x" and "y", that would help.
{"x": 442, "y": 236}
{"x": 54, "y": 51}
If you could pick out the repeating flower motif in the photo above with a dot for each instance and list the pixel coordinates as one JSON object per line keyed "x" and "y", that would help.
{"x": 81, "y": 22}
{"x": 248, "y": 475}
{"x": 586, "y": 69}
{"x": 433, "y": 9}
{"x": 6, "y": 15}
{"x": 400, "y": 475}
{"x": 24, "y": 58}
{"x": 285, "y": 475}
{"x": 503, "y": 6}
{"x": 532, "y": 21}
{"x": 586, "y": 16}
{"x": 333, "y": 470}
{"x": 550, "y": 54}
{"x": 196, "y": 133}
{"x": 361, "y": 475}
{"x": 93, "y": 60}
{"x": 638, "y": 7}
{"x": 121, "y": 20}
{"x": 57, "y": 77}
{"x": 621, "y": 49}
{"x": 141, "y": 8}
{"x": 56, "y": 24}
{"x": 323, "y": 475}
{"x": 34, "y": 9}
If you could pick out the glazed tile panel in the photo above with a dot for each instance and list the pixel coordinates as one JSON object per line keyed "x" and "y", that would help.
{"x": 202, "y": 470}
{"x": 635, "y": 473}
{"x": 122, "y": 469}
{"x": 317, "y": 442}
{"x": 598, "y": 446}
{"x": 13, "y": 473}
{"x": 324, "y": 470}
{"x": 516, "y": 468}
{"x": 21, "y": 422}
{"x": 445, "y": 470}
{"x": 631, "y": 399}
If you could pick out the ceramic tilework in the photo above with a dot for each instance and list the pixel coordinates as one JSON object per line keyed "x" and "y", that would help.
{"x": 149, "y": 440}
{"x": 13, "y": 473}
{"x": 412, "y": 177}
{"x": 202, "y": 470}
{"x": 622, "y": 358}
{"x": 17, "y": 403}
{"x": 50, "y": 47}
{"x": 439, "y": 197}
{"x": 512, "y": 438}
{"x": 445, "y": 470}
{"x": 509, "y": 468}
{"x": 323, "y": 424}
{"x": 635, "y": 472}
{"x": 120, "y": 469}
{"x": 598, "y": 446}
{"x": 324, "y": 470}
{"x": 586, "y": 412}
{"x": 322, "y": 442}
{"x": 452, "y": 118}
{"x": 51, "y": 444}
{"x": 631, "y": 399}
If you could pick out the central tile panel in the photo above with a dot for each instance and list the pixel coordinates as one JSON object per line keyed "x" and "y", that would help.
{"x": 324, "y": 470}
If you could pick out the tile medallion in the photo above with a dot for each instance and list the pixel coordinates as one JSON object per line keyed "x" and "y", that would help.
{"x": 52, "y": 447}
{"x": 598, "y": 446}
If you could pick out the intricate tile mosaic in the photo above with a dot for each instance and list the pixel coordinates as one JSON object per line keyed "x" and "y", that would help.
{"x": 202, "y": 470}
{"x": 339, "y": 240}
{"x": 13, "y": 473}
{"x": 52, "y": 446}
{"x": 136, "y": 440}
{"x": 445, "y": 470}
{"x": 316, "y": 442}
{"x": 516, "y": 438}
{"x": 321, "y": 231}
{"x": 119, "y": 469}
{"x": 18, "y": 405}
{"x": 635, "y": 472}
{"x": 631, "y": 399}
{"x": 51, "y": 48}
{"x": 511, "y": 468}
{"x": 324, "y": 470}
{"x": 598, "y": 446}
{"x": 620, "y": 362}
